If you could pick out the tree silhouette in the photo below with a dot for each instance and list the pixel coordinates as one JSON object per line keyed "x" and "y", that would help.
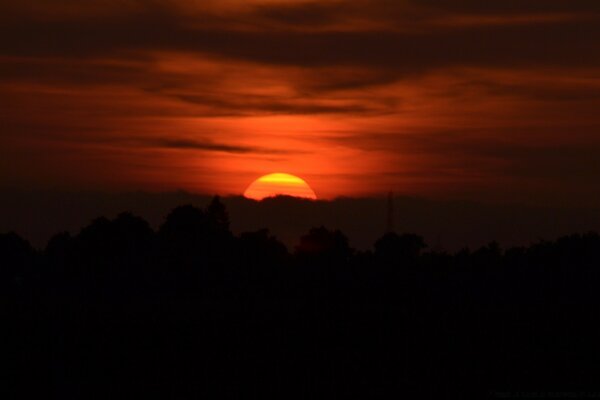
{"x": 16, "y": 255}
{"x": 323, "y": 244}
{"x": 194, "y": 311}
{"x": 217, "y": 215}
{"x": 262, "y": 249}
{"x": 395, "y": 249}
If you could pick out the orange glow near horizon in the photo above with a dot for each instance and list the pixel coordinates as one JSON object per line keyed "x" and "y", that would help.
{"x": 214, "y": 99}
{"x": 278, "y": 184}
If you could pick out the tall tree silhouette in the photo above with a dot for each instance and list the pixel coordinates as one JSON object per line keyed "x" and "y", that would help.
{"x": 217, "y": 215}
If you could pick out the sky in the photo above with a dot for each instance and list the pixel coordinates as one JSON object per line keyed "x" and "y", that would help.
{"x": 495, "y": 101}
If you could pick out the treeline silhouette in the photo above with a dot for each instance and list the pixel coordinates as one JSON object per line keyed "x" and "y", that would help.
{"x": 191, "y": 310}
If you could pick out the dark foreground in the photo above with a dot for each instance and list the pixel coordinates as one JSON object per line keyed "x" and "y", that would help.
{"x": 190, "y": 311}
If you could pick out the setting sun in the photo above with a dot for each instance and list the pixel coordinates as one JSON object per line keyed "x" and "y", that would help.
{"x": 278, "y": 184}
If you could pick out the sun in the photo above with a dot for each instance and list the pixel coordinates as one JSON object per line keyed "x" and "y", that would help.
{"x": 278, "y": 184}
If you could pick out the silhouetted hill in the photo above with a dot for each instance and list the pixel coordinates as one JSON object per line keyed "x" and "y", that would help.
{"x": 447, "y": 224}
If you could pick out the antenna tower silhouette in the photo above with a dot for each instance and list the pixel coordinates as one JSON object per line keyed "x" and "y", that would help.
{"x": 390, "y": 213}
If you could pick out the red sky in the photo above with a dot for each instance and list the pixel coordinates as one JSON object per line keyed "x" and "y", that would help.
{"x": 438, "y": 98}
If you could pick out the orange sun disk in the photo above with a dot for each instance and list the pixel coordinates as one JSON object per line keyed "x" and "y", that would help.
{"x": 279, "y": 184}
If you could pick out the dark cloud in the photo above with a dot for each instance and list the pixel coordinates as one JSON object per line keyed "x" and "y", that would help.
{"x": 248, "y": 105}
{"x": 305, "y": 14}
{"x": 72, "y": 72}
{"x": 485, "y": 154}
{"x": 548, "y": 93}
{"x": 510, "y": 6}
{"x": 570, "y": 42}
{"x": 402, "y": 44}
{"x": 188, "y": 144}
{"x": 414, "y": 53}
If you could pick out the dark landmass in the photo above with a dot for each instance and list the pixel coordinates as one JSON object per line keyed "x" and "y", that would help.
{"x": 190, "y": 310}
